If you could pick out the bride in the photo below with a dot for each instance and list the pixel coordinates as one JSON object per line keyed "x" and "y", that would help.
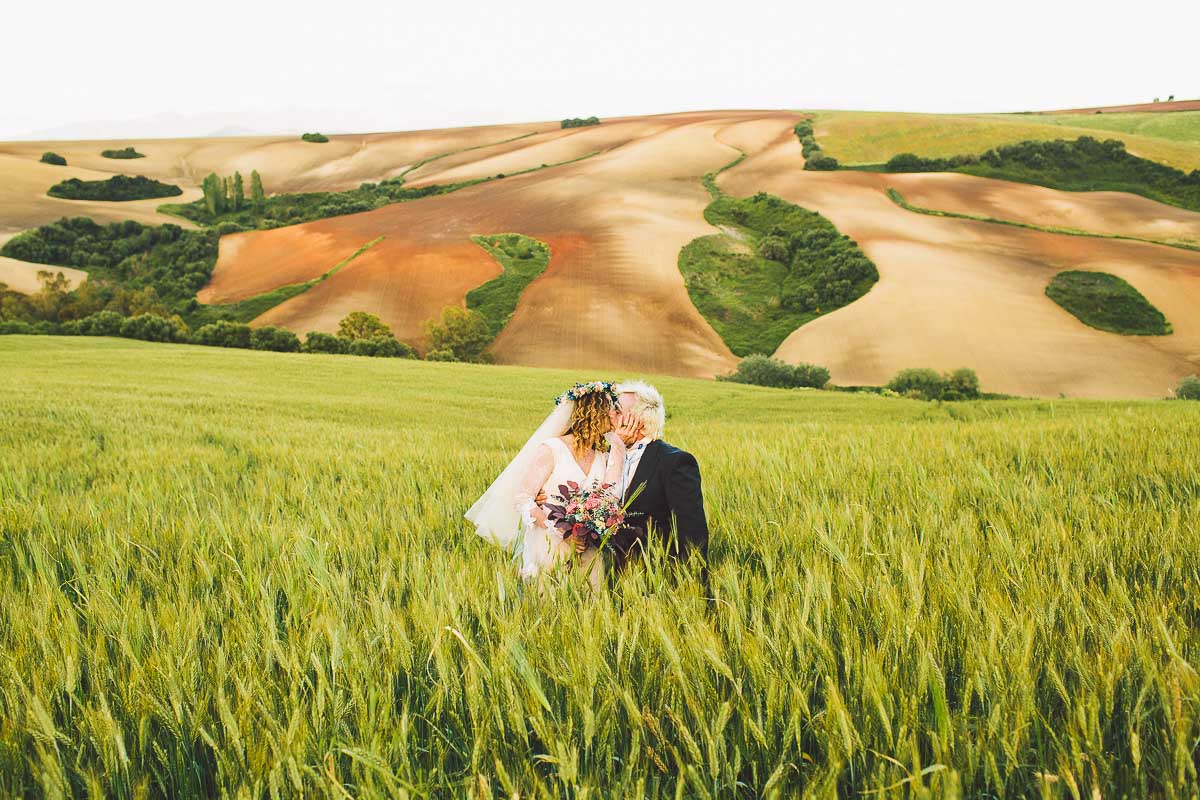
{"x": 575, "y": 443}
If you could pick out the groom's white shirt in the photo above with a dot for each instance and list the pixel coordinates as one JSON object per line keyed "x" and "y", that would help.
{"x": 633, "y": 457}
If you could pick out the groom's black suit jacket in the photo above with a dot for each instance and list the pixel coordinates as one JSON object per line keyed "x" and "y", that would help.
{"x": 669, "y": 510}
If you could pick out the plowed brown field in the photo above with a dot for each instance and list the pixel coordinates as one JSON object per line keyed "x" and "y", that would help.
{"x": 612, "y": 296}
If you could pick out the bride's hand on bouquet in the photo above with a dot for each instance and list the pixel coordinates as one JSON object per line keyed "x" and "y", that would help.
{"x": 580, "y": 544}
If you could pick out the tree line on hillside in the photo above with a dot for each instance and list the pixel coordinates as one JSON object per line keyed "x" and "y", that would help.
{"x": 224, "y": 201}
{"x": 814, "y": 158}
{"x": 99, "y": 308}
{"x": 1085, "y": 164}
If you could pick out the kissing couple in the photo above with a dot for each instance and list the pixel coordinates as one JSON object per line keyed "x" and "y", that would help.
{"x": 616, "y": 488}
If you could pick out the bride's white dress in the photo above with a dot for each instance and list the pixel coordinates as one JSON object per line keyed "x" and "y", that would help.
{"x": 554, "y": 465}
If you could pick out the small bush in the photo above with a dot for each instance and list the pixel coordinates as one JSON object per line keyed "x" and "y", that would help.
{"x": 316, "y": 138}
{"x": 125, "y": 152}
{"x": 381, "y": 347}
{"x": 224, "y": 334}
{"x": 928, "y": 384}
{"x": 361, "y": 325}
{"x": 103, "y": 323}
{"x": 15, "y": 327}
{"x": 463, "y": 332}
{"x": 821, "y": 163}
{"x": 761, "y": 370}
{"x": 1188, "y": 388}
{"x": 279, "y": 340}
{"x": 153, "y": 328}
{"x": 53, "y": 158}
{"x": 440, "y": 355}
{"x": 318, "y": 342}
{"x": 961, "y": 384}
{"x": 920, "y": 383}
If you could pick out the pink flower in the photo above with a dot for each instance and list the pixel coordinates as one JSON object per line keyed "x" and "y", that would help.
{"x": 592, "y": 503}
{"x": 572, "y": 507}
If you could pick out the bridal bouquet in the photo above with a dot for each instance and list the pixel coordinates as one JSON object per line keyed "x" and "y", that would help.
{"x": 590, "y": 513}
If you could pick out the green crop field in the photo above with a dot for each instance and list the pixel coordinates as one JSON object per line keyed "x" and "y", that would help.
{"x": 872, "y": 137}
{"x": 246, "y": 574}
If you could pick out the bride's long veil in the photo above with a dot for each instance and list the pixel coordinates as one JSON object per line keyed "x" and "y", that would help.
{"x": 495, "y": 513}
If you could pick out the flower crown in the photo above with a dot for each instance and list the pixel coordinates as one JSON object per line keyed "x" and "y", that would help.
{"x": 579, "y": 390}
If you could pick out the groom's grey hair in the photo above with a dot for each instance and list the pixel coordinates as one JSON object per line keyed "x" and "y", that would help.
{"x": 649, "y": 407}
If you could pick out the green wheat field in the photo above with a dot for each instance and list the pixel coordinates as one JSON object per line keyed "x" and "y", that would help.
{"x": 232, "y": 573}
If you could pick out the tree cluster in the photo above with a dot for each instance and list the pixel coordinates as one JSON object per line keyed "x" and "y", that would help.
{"x": 1084, "y": 164}
{"x": 814, "y": 158}
{"x": 1188, "y": 389}
{"x": 579, "y": 122}
{"x": 228, "y": 194}
{"x": 929, "y": 384}
{"x": 175, "y": 262}
{"x": 118, "y": 187}
{"x": 762, "y": 370}
{"x": 53, "y": 158}
{"x": 125, "y": 152}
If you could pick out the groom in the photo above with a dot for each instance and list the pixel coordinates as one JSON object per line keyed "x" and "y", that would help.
{"x": 669, "y": 511}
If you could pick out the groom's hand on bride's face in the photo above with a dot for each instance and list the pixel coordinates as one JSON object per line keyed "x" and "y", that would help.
{"x": 629, "y": 428}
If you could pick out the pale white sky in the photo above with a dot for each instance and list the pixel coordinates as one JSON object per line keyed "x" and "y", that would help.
{"x": 346, "y": 65}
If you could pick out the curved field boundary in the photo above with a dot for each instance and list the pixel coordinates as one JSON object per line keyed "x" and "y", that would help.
{"x": 899, "y": 200}
{"x": 418, "y": 164}
{"x": 246, "y": 310}
{"x": 523, "y": 259}
{"x": 772, "y": 267}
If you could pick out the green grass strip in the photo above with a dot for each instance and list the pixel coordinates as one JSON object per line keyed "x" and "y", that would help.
{"x": 523, "y": 259}
{"x": 899, "y": 200}
{"x": 417, "y": 165}
{"x": 709, "y": 179}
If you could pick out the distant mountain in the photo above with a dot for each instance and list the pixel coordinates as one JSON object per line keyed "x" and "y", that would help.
{"x": 173, "y": 125}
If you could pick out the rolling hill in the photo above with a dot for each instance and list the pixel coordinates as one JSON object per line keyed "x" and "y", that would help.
{"x": 616, "y": 203}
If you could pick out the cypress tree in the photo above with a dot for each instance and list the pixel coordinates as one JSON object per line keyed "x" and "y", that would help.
{"x": 212, "y": 193}
{"x": 239, "y": 192}
{"x": 256, "y": 192}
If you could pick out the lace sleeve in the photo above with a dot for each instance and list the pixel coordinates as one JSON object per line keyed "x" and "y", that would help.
{"x": 616, "y": 464}
{"x": 535, "y": 478}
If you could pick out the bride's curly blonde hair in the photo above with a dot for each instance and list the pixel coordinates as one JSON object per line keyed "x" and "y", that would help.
{"x": 590, "y": 421}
